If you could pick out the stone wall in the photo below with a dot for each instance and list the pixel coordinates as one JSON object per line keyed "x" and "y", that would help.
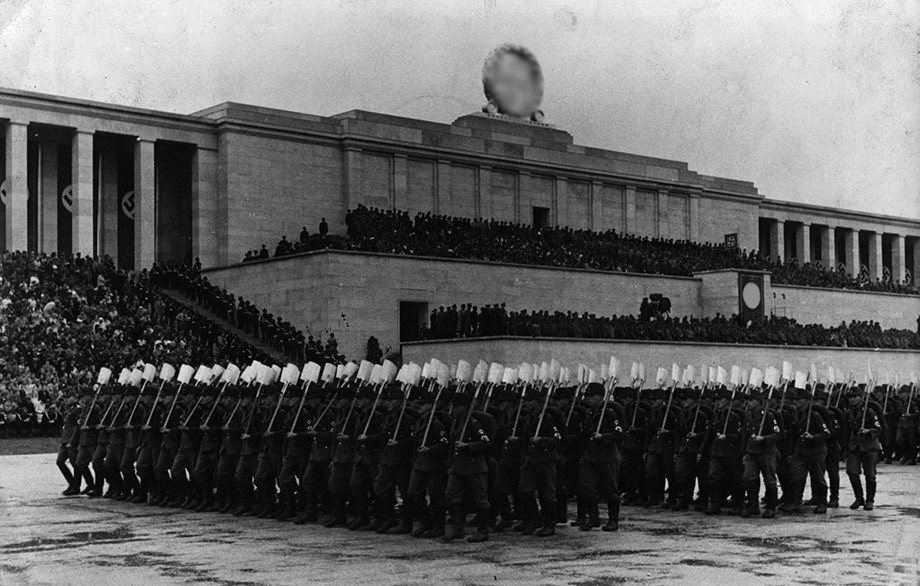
{"x": 594, "y": 353}
{"x": 833, "y": 306}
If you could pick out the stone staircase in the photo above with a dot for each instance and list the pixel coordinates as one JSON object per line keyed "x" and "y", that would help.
{"x": 278, "y": 356}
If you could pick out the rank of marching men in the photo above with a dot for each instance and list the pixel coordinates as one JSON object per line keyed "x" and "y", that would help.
{"x": 481, "y": 380}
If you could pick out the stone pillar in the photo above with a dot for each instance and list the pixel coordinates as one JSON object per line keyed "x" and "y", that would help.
{"x": 144, "y": 204}
{"x": 778, "y": 240}
{"x": 353, "y": 178}
{"x": 898, "y": 258}
{"x": 915, "y": 269}
{"x": 84, "y": 216}
{"x": 110, "y": 204}
{"x": 694, "y": 217}
{"x": 484, "y": 199}
{"x": 49, "y": 197}
{"x": 522, "y": 198}
{"x": 829, "y": 248}
{"x": 875, "y": 255}
{"x": 629, "y": 210}
{"x": 17, "y": 194}
{"x": 560, "y": 199}
{"x": 661, "y": 226}
{"x": 400, "y": 191}
{"x": 803, "y": 243}
{"x": 442, "y": 192}
{"x": 597, "y": 207}
{"x": 205, "y": 226}
{"x": 851, "y": 249}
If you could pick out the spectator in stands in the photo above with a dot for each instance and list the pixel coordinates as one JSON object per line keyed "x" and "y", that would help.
{"x": 323, "y": 228}
{"x": 263, "y": 253}
{"x": 304, "y": 236}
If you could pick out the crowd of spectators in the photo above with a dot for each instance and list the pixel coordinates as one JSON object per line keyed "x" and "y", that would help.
{"x": 61, "y": 318}
{"x": 306, "y": 242}
{"x": 774, "y": 330}
{"x": 272, "y": 330}
{"x": 425, "y": 234}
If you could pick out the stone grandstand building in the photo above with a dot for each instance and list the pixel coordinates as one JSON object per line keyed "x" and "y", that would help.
{"x": 144, "y": 186}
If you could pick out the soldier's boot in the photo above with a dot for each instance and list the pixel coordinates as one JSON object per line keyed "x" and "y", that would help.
{"x": 613, "y": 516}
{"x": 455, "y": 527}
{"x": 338, "y": 517}
{"x": 383, "y": 524}
{"x": 403, "y": 527}
{"x": 753, "y": 506}
{"x": 870, "y": 495}
{"x": 715, "y": 504}
{"x": 504, "y": 510}
{"x": 580, "y": 515}
{"x": 562, "y": 509}
{"x": 482, "y": 526}
{"x": 362, "y": 521}
{"x": 305, "y": 517}
{"x": 548, "y": 508}
{"x": 436, "y": 530}
{"x": 770, "y": 501}
{"x": 856, "y": 483}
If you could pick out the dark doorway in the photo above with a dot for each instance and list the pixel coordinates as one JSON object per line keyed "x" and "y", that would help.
{"x": 412, "y": 316}
{"x": 540, "y": 217}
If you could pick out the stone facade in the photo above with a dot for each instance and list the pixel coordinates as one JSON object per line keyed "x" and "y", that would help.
{"x": 240, "y": 175}
{"x": 358, "y": 295}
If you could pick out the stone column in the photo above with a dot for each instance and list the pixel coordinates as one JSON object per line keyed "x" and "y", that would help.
{"x": 629, "y": 210}
{"x": 803, "y": 243}
{"x": 110, "y": 202}
{"x": 661, "y": 226}
{"x": 898, "y": 258}
{"x": 144, "y": 204}
{"x": 523, "y": 201}
{"x": 484, "y": 201}
{"x": 84, "y": 216}
{"x": 205, "y": 226}
{"x": 560, "y": 201}
{"x": 49, "y": 197}
{"x": 875, "y": 255}
{"x": 915, "y": 269}
{"x": 597, "y": 207}
{"x": 17, "y": 194}
{"x": 442, "y": 191}
{"x": 694, "y": 217}
{"x": 778, "y": 240}
{"x": 353, "y": 178}
{"x": 851, "y": 251}
{"x": 400, "y": 191}
{"x": 829, "y": 248}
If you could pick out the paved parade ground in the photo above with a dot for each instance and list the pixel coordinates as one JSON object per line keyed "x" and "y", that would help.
{"x": 47, "y": 539}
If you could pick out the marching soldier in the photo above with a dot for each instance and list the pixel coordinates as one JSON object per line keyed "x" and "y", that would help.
{"x": 324, "y": 430}
{"x": 691, "y": 430}
{"x": 468, "y": 470}
{"x": 231, "y": 446}
{"x": 297, "y": 444}
{"x": 395, "y": 463}
{"x": 343, "y": 455}
{"x": 67, "y": 451}
{"x": 632, "y": 469}
{"x": 601, "y": 459}
{"x": 863, "y": 447}
{"x": 544, "y": 427}
{"x": 724, "y": 439}
{"x": 809, "y": 456}
{"x": 661, "y": 431}
{"x": 762, "y": 433}
{"x": 429, "y": 471}
{"x": 208, "y": 460}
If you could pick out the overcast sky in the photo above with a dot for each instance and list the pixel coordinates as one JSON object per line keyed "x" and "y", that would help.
{"x": 813, "y": 101}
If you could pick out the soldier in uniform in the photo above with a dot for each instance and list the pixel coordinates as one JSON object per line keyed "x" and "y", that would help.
{"x": 572, "y": 447}
{"x": 370, "y": 440}
{"x": 762, "y": 433}
{"x": 115, "y": 447}
{"x": 343, "y": 455}
{"x": 395, "y": 462}
{"x": 271, "y": 448}
{"x": 809, "y": 455}
{"x": 691, "y": 430}
{"x": 906, "y": 436}
{"x": 863, "y": 447}
{"x": 661, "y": 431}
{"x": 67, "y": 451}
{"x": 297, "y": 443}
{"x": 251, "y": 438}
{"x": 323, "y": 430}
{"x": 468, "y": 471}
{"x": 131, "y": 486}
{"x": 724, "y": 439}
{"x": 169, "y": 447}
{"x": 149, "y": 447}
{"x": 231, "y": 445}
{"x": 429, "y": 471}
{"x": 510, "y": 458}
{"x": 544, "y": 436}
{"x": 182, "y": 471}
{"x": 208, "y": 459}
{"x": 603, "y": 433}
{"x": 87, "y": 439}
{"x": 632, "y": 469}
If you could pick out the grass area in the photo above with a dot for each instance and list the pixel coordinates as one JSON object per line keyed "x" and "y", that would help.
{"x": 14, "y": 446}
